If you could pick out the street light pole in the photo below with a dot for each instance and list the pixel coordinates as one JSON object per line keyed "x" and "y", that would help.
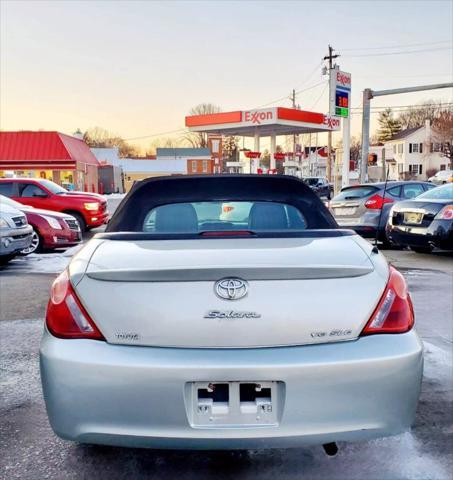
{"x": 368, "y": 94}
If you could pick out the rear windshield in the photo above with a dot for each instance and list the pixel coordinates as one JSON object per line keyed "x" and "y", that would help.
{"x": 355, "y": 193}
{"x": 262, "y": 205}
{"x": 445, "y": 192}
{"x": 198, "y": 217}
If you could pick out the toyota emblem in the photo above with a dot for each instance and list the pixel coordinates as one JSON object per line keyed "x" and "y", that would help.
{"x": 231, "y": 288}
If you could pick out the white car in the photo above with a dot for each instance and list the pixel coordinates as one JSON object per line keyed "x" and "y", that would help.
{"x": 442, "y": 176}
{"x": 15, "y": 232}
{"x": 279, "y": 329}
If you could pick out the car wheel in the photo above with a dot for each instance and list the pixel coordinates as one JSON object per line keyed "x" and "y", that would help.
{"x": 80, "y": 221}
{"x": 35, "y": 246}
{"x": 422, "y": 249}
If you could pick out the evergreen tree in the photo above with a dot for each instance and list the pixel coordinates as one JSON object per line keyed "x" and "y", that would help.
{"x": 388, "y": 125}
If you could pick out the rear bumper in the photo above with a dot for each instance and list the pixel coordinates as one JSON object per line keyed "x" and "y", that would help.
{"x": 438, "y": 234}
{"x": 136, "y": 396}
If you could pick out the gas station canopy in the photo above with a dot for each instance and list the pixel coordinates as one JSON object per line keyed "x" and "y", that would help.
{"x": 263, "y": 122}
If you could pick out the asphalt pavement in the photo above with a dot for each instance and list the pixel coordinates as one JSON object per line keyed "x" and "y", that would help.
{"x": 30, "y": 450}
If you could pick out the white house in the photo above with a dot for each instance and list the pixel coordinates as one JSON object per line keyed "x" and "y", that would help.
{"x": 413, "y": 152}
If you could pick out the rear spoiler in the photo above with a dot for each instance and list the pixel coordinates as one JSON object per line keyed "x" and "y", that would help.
{"x": 308, "y": 272}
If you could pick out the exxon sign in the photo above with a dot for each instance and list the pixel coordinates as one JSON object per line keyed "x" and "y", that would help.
{"x": 259, "y": 117}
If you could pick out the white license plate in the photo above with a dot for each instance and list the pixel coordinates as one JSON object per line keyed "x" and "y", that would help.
{"x": 345, "y": 211}
{"x": 413, "y": 218}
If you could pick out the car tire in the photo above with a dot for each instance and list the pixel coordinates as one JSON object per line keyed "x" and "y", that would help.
{"x": 4, "y": 259}
{"x": 80, "y": 221}
{"x": 36, "y": 244}
{"x": 422, "y": 249}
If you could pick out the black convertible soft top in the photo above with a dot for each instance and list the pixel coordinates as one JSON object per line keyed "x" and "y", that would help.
{"x": 153, "y": 192}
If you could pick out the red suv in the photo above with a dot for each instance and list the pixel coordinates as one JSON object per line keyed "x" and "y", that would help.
{"x": 89, "y": 209}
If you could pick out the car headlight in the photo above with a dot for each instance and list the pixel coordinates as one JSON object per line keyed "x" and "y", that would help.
{"x": 92, "y": 206}
{"x": 53, "y": 222}
{"x": 3, "y": 223}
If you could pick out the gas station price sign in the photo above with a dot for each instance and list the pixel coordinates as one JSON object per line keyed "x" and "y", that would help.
{"x": 341, "y": 103}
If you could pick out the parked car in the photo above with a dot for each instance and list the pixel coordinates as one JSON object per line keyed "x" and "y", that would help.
{"x": 365, "y": 209}
{"x": 320, "y": 185}
{"x": 276, "y": 329}
{"x": 89, "y": 209}
{"x": 15, "y": 233}
{"x": 50, "y": 229}
{"x": 441, "y": 177}
{"x": 424, "y": 222}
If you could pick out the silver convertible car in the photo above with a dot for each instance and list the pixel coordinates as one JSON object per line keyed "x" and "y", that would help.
{"x": 183, "y": 327}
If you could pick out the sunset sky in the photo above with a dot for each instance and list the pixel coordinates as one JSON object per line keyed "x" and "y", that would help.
{"x": 136, "y": 68}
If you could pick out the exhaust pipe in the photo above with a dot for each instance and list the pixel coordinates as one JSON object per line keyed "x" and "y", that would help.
{"x": 331, "y": 449}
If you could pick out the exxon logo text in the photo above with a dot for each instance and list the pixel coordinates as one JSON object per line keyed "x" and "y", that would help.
{"x": 331, "y": 122}
{"x": 344, "y": 79}
{"x": 258, "y": 117}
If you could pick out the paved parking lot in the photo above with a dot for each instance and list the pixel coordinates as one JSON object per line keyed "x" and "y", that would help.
{"x": 30, "y": 450}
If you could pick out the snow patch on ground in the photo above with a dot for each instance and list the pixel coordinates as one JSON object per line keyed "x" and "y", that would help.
{"x": 46, "y": 263}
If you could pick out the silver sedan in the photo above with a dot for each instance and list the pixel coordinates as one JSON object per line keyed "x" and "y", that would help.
{"x": 182, "y": 329}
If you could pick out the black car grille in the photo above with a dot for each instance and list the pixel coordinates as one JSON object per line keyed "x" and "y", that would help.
{"x": 72, "y": 224}
{"x": 19, "y": 221}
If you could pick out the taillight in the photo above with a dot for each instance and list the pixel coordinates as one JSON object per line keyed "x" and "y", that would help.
{"x": 394, "y": 313}
{"x": 446, "y": 213}
{"x": 66, "y": 317}
{"x": 377, "y": 202}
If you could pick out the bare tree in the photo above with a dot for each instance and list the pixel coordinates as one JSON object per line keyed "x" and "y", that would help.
{"x": 99, "y": 137}
{"x": 442, "y": 133}
{"x": 200, "y": 139}
{"x": 417, "y": 115}
{"x": 230, "y": 147}
{"x": 162, "y": 142}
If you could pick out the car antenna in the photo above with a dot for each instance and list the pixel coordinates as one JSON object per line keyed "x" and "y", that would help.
{"x": 382, "y": 206}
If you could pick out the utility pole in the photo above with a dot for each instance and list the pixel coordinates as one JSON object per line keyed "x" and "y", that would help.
{"x": 293, "y": 101}
{"x": 330, "y": 57}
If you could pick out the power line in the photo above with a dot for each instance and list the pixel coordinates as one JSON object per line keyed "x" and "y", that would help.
{"x": 399, "y": 53}
{"x": 397, "y": 46}
{"x": 320, "y": 96}
{"x": 155, "y": 134}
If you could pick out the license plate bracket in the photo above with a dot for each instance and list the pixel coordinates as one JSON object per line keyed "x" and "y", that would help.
{"x": 413, "y": 218}
{"x": 345, "y": 211}
{"x": 233, "y": 404}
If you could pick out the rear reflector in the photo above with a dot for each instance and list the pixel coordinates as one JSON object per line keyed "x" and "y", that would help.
{"x": 66, "y": 317}
{"x": 394, "y": 313}
{"x": 376, "y": 202}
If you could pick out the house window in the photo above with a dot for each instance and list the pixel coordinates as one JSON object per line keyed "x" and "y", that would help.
{"x": 443, "y": 167}
{"x": 400, "y": 148}
{"x": 205, "y": 166}
{"x": 437, "y": 147}
{"x": 416, "y": 169}
{"x": 400, "y": 167}
{"x": 394, "y": 148}
{"x": 193, "y": 168}
{"x": 413, "y": 147}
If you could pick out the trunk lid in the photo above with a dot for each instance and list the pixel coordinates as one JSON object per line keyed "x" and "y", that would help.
{"x": 162, "y": 293}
